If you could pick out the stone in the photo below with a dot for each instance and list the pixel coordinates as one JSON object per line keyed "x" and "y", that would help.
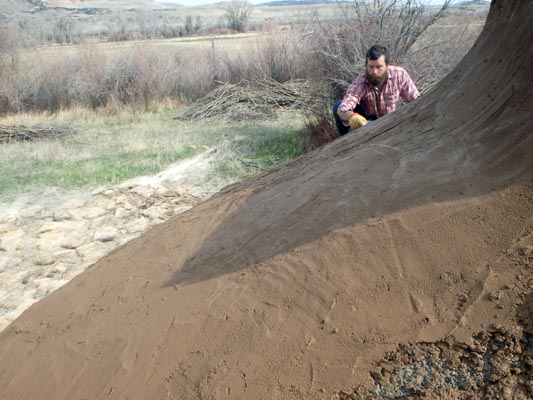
{"x": 163, "y": 191}
{"x": 69, "y": 256}
{"x": 43, "y": 259}
{"x": 88, "y": 213}
{"x": 106, "y": 234}
{"x": 62, "y": 226}
{"x": 4, "y": 228}
{"x": 154, "y": 212}
{"x": 73, "y": 241}
{"x": 9, "y": 241}
{"x": 60, "y": 269}
{"x": 93, "y": 251}
{"x": 138, "y": 225}
{"x": 61, "y": 215}
{"x": 123, "y": 213}
{"x": 50, "y": 240}
{"x": 143, "y": 190}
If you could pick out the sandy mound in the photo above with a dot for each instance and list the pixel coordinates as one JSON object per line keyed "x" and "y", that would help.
{"x": 294, "y": 284}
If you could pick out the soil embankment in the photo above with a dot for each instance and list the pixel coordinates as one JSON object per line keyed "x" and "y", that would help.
{"x": 296, "y": 283}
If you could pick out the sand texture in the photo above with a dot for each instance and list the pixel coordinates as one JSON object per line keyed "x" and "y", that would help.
{"x": 347, "y": 273}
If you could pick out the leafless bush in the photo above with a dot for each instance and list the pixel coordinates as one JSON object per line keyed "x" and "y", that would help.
{"x": 237, "y": 14}
{"x": 407, "y": 28}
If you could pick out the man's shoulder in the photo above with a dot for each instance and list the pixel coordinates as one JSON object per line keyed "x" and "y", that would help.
{"x": 394, "y": 69}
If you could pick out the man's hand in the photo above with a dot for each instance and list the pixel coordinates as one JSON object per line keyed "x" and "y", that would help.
{"x": 356, "y": 121}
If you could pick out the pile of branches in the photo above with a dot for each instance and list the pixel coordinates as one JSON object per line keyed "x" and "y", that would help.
{"x": 23, "y": 133}
{"x": 249, "y": 99}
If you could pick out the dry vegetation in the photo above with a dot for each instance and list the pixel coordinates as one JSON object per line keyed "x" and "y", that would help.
{"x": 323, "y": 46}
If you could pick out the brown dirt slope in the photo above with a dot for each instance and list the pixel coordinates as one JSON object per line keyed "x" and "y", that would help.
{"x": 294, "y": 283}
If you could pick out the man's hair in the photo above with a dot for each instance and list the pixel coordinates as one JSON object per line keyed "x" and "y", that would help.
{"x": 377, "y": 51}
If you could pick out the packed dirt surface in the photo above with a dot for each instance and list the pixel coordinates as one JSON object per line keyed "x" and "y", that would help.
{"x": 496, "y": 363}
{"x": 395, "y": 261}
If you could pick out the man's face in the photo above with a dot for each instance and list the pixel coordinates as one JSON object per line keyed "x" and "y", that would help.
{"x": 376, "y": 70}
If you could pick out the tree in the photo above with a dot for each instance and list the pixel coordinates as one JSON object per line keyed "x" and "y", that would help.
{"x": 237, "y": 14}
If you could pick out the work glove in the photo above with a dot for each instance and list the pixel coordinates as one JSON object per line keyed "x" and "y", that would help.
{"x": 356, "y": 121}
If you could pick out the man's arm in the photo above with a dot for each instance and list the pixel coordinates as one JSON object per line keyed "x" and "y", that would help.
{"x": 409, "y": 91}
{"x": 351, "y": 99}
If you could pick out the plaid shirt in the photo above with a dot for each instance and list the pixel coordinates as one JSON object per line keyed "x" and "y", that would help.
{"x": 378, "y": 102}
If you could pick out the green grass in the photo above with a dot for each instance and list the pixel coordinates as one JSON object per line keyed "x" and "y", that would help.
{"x": 111, "y": 149}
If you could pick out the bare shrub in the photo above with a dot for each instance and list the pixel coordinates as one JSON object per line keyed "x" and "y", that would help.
{"x": 237, "y": 14}
{"x": 407, "y": 28}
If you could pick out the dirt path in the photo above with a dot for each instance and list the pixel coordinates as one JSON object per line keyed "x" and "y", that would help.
{"x": 49, "y": 237}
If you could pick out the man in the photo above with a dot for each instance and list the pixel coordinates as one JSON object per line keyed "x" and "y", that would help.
{"x": 373, "y": 93}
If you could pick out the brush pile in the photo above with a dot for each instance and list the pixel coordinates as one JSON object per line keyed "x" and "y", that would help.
{"x": 249, "y": 99}
{"x": 23, "y": 133}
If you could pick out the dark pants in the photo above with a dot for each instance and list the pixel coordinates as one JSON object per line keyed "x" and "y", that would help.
{"x": 341, "y": 129}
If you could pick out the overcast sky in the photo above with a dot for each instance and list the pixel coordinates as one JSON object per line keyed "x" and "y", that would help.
{"x": 201, "y": 2}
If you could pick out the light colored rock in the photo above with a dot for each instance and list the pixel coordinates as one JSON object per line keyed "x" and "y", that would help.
{"x": 138, "y": 225}
{"x": 9, "y": 241}
{"x": 143, "y": 190}
{"x": 63, "y": 226}
{"x": 121, "y": 199}
{"x": 87, "y": 213}
{"x": 60, "y": 269}
{"x": 74, "y": 240}
{"x": 122, "y": 213}
{"x": 43, "y": 260}
{"x": 61, "y": 215}
{"x": 93, "y": 251}
{"x": 163, "y": 191}
{"x": 101, "y": 222}
{"x": 5, "y": 228}
{"x": 51, "y": 240}
{"x": 106, "y": 234}
{"x": 128, "y": 207}
{"x": 68, "y": 256}
{"x": 154, "y": 212}
{"x": 8, "y": 261}
{"x": 3, "y": 261}
{"x": 101, "y": 202}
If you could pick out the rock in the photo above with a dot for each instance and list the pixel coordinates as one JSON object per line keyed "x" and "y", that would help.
{"x": 123, "y": 213}
{"x": 60, "y": 269}
{"x": 163, "y": 191}
{"x": 107, "y": 234}
{"x": 93, "y": 251}
{"x": 154, "y": 212}
{"x": 9, "y": 261}
{"x": 73, "y": 241}
{"x": 9, "y": 241}
{"x": 50, "y": 240}
{"x": 100, "y": 222}
{"x": 61, "y": 215}
{"x": 138, "y": 225}
{"x": 143, "y": 190}
{"x": 128, "y": 207}
{"x": 63, "y": 226}
{"x": 66, "y": 256}
{"x": 87, "y": 213}
{"x": 44, "y": 259}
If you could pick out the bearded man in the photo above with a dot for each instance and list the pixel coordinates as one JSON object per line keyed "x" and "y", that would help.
{"x": 373, "y": 93}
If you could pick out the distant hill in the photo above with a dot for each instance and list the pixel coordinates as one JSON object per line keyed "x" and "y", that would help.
{"x": 20, "y": 5}
{"x": 472, "y": 3}
{"x": 296, "y": 2}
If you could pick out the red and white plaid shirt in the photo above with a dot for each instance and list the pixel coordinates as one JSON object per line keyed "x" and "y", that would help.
{"x": 378, "y": 102}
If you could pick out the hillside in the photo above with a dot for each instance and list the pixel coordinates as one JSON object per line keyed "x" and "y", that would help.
{"x": 294, "y": 284}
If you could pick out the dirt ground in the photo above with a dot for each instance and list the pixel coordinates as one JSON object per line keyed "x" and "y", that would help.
{"x": 395, "y": 262}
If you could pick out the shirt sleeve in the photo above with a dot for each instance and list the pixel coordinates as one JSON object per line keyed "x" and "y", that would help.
{"x": 353, "y": 95}
{"x": 409, "y": 91}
